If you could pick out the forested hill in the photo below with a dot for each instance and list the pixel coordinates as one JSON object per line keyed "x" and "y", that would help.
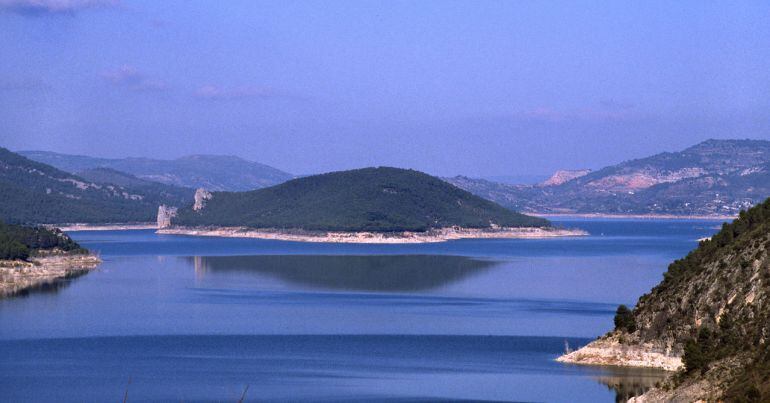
{"x": 212, "y": 172}
{"x": 714, "y": 305}
{"x": 369, "y": 199}
{"x": 36, "y": 193}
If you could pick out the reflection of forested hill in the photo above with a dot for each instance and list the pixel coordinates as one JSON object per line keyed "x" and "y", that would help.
{"x": 363, "y": 273}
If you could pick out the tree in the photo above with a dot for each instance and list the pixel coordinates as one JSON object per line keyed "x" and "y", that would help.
{"x": 624, "y": 319}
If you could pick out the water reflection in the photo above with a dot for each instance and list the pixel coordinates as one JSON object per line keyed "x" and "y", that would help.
{"x": 630, "y": 382}
{"x": 51, "y": 286}
{"x": 394, "y": 273}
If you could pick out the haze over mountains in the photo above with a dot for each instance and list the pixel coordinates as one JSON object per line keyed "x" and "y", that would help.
{"x": 212, "y": 172}
{"x": 715, "y": 177}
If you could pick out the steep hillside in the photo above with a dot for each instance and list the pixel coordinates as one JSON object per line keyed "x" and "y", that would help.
{"x": 712, "y": 309}
{"x": 31, "y": 192}
{"x": 213, "y": 172}
{"x": 370, "y": 199}
{"x": 716, "y": 177}
{"x": 154, "y": 192}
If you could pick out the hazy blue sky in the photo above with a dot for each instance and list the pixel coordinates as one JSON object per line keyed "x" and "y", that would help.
{"x": 477, "y": 87}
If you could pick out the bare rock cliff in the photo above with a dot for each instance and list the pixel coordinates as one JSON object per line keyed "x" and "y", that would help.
{"x": 201, "y": 195}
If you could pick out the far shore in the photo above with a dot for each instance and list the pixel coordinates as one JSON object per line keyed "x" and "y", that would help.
{"x": 17, "y": 276}
{"x": 635, "y": 216}
{"x": 437, "y": 235}
{"x": 105, "y": 227}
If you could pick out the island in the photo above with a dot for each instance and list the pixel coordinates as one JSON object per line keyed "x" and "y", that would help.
{"x": 33, "y": 257}
{"x": 708, "y": 321}
{"x": 368, "y": 205}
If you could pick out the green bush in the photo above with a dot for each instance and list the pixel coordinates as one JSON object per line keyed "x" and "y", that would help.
{"x": 624, "y": 319}
{"x": 19, "y": 242}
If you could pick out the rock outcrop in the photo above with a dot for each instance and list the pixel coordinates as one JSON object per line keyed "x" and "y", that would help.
{"x": 563, "y": 176}
{"x": 165, "y": 214}
{"x": 201, "y": 195}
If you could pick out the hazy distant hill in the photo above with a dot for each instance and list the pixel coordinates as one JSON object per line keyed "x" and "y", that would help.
{"x": 370, "y": 199}
{"x": 212, "y": 172}
{"x": 713, "y": 177}
{"x": 32, "y": 192}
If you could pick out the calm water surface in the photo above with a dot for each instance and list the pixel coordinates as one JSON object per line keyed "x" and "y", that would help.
{"x": 200, "y": 319}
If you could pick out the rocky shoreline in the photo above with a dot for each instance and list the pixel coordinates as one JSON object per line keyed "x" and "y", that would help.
{"x": 105, "y": 227}
{"x": 19, "y": 276}
{"x": 635, "y": 216}
{"x": 610, "y": 351}
{"x": 437, "y": 235}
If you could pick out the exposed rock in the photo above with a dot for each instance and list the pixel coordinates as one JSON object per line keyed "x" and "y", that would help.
{"x": 713, "y": 178}
{"x": 563, "y": 175}
{"x": 18, "y": 276}
{"x": 610, "y": 351}
{"x": 437, "y": 235}
{"x": 201, "y": 195}
{"x": 165, "y": 214}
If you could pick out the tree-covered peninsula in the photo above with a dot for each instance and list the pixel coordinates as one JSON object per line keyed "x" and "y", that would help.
{"x": 370, "y": 199}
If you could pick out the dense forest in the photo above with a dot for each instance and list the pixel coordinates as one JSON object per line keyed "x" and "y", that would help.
{"x": 369, "y": 199}
{"x": 19, "y": 242}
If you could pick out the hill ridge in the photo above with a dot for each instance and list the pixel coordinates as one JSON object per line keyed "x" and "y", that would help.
{"x": 366, "y": 199}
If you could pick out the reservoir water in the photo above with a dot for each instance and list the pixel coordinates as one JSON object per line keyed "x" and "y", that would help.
{"x": 177, "y": 318}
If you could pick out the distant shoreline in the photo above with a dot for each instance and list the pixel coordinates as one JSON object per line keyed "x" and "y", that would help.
{"x": 437, "y": 235}
{"x": 104, "y": 227}
{"x": 635, "y": 216}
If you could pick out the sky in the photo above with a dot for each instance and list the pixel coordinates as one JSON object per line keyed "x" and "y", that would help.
{"x": 479, "y": 88}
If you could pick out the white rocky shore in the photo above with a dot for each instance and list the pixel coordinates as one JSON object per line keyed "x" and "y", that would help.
{"x": 437, "y": 235}
{"x": 17, "y": 276}
{"x": 105, "y": 227}
{"x": 609, "y": 351}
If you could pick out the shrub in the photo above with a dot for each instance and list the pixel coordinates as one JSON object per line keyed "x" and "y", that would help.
{"x": 624, "y": 319}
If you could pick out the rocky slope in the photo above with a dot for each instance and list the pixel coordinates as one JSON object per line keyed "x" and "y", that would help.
{"x": 716, "y": 177}
{"x": 36, "y": 193}
{"x": 712, "y": 311}
{"x": 563, "y": 176}
{"x": 213, "y": 172}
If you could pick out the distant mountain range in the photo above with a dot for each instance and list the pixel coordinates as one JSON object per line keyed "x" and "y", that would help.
{"x": 715, "y": 177}
{"x": 212, "y": 172}
{"x": 32, "y": 192}
{"x": 369, "y": 199}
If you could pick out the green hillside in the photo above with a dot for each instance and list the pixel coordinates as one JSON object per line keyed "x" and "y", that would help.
{"x": 36, "y": 193}
{"x": 369, "y": 199}
{"x": 212, "y": 172}
{"x": 155, "y": 192}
